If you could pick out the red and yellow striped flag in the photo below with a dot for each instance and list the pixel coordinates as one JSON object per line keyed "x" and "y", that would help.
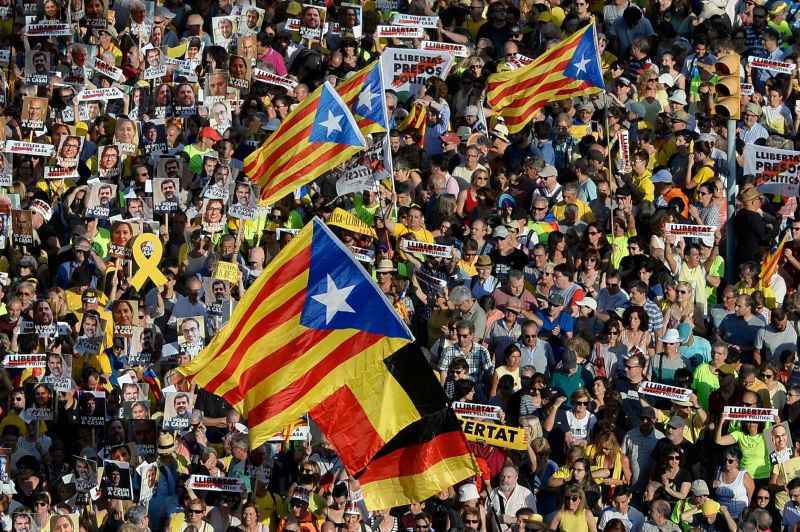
{"x": 311, "y": 333}
{"x": 567, "y": 69}
{"x": 771, "y": 262}
{"x": 417, "y": 121}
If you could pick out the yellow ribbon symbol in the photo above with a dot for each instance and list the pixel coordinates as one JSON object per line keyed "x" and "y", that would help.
{"x": 147, "y": 251}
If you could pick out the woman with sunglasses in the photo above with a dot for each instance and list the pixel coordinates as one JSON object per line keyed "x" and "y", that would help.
{"x": 675, "y": 480}
{"x": 196, "y": 516}
{"x": 776, "y": 389}
{"x": 576, "y": 424}
{"x": 574, "y": 516}
{"x": 762, "y": 500}
{"x": 733, "y": 486}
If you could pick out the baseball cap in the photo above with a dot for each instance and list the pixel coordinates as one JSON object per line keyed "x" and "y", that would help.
{"x": 699, "y": 487}
{"x": 500, "y": 232}
{"x": 677, "y": 422}
{"x": 648, "y": 412}
{"x": 210, "y": 133}
{"x": 588, "y": 302}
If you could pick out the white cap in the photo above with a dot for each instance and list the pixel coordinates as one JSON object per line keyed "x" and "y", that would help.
{"x": 679, "y": 96}
{"x": 671, "y": 337}
{"x": 468, "y": 492}
{"x": 666, "y": 79}
{"x": 588, "y": 302}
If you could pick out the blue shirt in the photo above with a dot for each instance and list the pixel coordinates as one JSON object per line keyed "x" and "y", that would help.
{"x": 563, "y": 320}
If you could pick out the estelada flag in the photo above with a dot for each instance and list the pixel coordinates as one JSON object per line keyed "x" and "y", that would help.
{"x": 316, "y": 137}
{"x": 426, "y": 457}
{"x": 314, "y": 328}
{"x": 567, "y": 69}
{"x": 363, "y": 93}
{"x": 416, "y": 120}
{"x": 771, "y": 262}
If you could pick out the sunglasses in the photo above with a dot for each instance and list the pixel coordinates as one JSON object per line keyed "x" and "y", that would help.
{"x": 581, "y": 403}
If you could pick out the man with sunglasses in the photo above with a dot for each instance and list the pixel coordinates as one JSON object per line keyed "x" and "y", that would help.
{"x": 639, "y": 444}
{"x": 775, "y": 339}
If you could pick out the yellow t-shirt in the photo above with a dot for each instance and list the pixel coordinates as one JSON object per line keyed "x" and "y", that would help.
{"x": 421, "y": 235}
{"x": 644, "y": 185}
{"x": 584, "y": 211}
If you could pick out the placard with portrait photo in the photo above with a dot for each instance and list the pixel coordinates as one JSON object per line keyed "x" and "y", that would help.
{"x": 101, "y": 199}
{"x": 143, "y": 434}
{"x": 41, "y": 398}
{"x": 84, "y": 474}
{"x": 213, "y": 215}
{"x": 21, "y": 227}
{"x": 778, "y": 440}
{"x": 64, "y": 523}
{"x": 243, "y": 200}
{"x": 109, "y": 161}
{"x": 239, "y": 72}
{"x": 95, "y": 14}
{"x": 154, "y": 137}
{"x": 185, "y": 100}
{"x": 122, "y": 234}
{"x": 219, "y": 116}
{"x": 224, "y": 29}
{"x": 135, "y": 410}
{"x": 126, "y": 136}
{"x": 247, "y": 47}
{"x": 69, "y": 150}
{"x": 116, "y": 482}
{"x": 166, "y": 194}
{"x": 191, "y": 334}
{"x": 34, "y": 112}
{"x": 250, "y": 20}
{"x": 178, "y": 408}
{"x": 312, "y": 22}
{"x": 59, "y": 372}
{"x": 6, "y": 169}
{"x": 92, "y": 333}
{"x": 37, "y": 67}
{"x": 216, "y": 87}
{"x": 92, "y": 408}
{"x": 125, "y": 313}
{"x": 155, "y": 68}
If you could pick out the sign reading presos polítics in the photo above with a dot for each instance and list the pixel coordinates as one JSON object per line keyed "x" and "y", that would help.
{"x": 29, "y": 148}
{"x": 665, "y": 391}
{"x": 34, "y": 360}
{"x": 406, "y": 71}
{"x": 421, "y": 21}
{"x": 424, "y": 248}
{"x": 777, "y": 171}
{"x": 494, "y": 434}
{"x": 265, "y": 76}
{"x": 782, "y": 67}
{"x": 458, "y": 50}
{"x": 204, "y": 482}
{"x": 690, "y": 230}
{"x": 747, "y": 413}
{"x": 399, "y": 32}
{"x": 477, "y": 411}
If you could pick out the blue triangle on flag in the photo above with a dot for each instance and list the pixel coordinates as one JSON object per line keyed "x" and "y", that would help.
{"x": 370, "y": 101}
{"x": 341, "y": 294}
{"x": 585, "y": 62}
{"x": 333, "y": 121}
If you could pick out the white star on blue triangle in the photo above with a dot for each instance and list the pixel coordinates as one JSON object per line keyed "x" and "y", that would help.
{"x": 341, "y": 295}
{"x": 370, "y": 101}
{"x": 584, "y": 64}
{"x": 333, "y": 121}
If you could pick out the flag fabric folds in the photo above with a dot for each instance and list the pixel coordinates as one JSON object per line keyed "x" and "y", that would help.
{"x": 363, "y": 94}
{"x": 313, "y": 327}
{"x": 568, "y": 69}
{"x": 771, "y": 261}
{"x": 317, "y": 136}
{"x": 427, "y": 456}
{"x": 416, "y": 120}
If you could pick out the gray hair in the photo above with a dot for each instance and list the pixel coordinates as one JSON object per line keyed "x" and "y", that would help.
{"x": 136, "y": 515}
{"x": 459, "y": 294}
{"x": 240, "y": 442}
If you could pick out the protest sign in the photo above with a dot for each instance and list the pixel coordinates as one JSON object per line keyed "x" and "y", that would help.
{"x": 493, "y": 434}
{"x": 665, "y": 391}
{"x": 778, "y": 440}
{"x": 84, "y": 474}
{"x": 424, "y": 248}
{"x": 265, "y": 76}
{"x": 34, "y": 360}
{"x": 772, "y": 65}
{"x": 29, "y": 148}
{"x": 398, "y": 32}
{"x": 362, "y": 254}
{"x": 204, "y": 482}
{"x": 351, "y": 222}
{"x": 406, "y": 71}
{"x": 747, "y": 413}
{"x": 227, "y": 271}
{"x": 776, "y": 170}
{"x": 422, "y": 21}
{"x": 356, "y": 179}
{"x": 21, "y": 227}
{"x": 117, "y": 480}
{"x": 41, "y": 399}
{"x": 92, "y": 408}
{"x": 457, "y": 50}
{"x": 178, "y": 410}
{"x": 101, "y": 94}
{"x": 48, "y": 29}
{"x": 690, "y": 230}
{"x": 108, "y": 70}
{"x": 477, "y": 411}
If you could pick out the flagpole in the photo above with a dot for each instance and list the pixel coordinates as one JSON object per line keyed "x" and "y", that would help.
{"x": 612, "y": 184}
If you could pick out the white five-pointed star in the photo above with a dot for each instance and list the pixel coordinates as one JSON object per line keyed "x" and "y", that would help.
{"x": 365, "y": 99}
{"x": 334, "y": 299}
{"x": 332, "y": 123}
{"x": 581, "y": 65}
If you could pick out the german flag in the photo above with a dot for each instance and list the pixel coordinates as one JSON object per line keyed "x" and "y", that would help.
{"x": 316, "y": 137}
{"x": 569, "y": 68}
{"x": 426, "y": 457}
{"x": 313, "y": 329}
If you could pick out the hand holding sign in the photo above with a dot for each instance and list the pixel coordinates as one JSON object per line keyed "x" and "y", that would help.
{"x": 147, "y": 251}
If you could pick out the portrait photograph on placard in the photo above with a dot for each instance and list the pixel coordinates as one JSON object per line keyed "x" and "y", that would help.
{"x": 243, "y": 200}
{"x": 100, "y": 203}
{"x": 350, "y": 19}
{"x": 69, "y": 149}
{"x": 95, "y": 14}
{"x": 136, "y": 409}
{"x": 126, "y": 136}
{"x": 148, "y": 472}
{"x": 40, "y": 398}
{"x": 239, "y": 72}
{"x": 213, "y": 215}
{"x": 143, "y": 434}
{"x": 166, "y": 194}
{"x": 191, "y": 334}
{"x": 224, "y": 29}
{"x": 139, "y": 103}
{"x": 58, "y": 372}
{"x": 122, "y": 233}
{"x": 37, "y": 66}
{"x": 125, "y": 313}
{"x": 216, "y": 86}
{"x": 185, "y": 101}
{"x": 92, "y": 408}
{"x": 34, "y": 112}
{"x": 21, "y": 226}
{"x": 778, "y": 441}
{"x": 84, "y": 474}
{"x": 247, "y": 47}
{"x": 109, "y": 161}
{"x": 178, "y": 410}
{"x": 170, "y": 168}
{"x": 251, "y": 20}
{"x": 6, "y": 169}
{"x": 91, "y": 334}
{"x": 219, "y": 116}
{"x": 153, "y": 137}
{"x": 137, "y": 208}
{"x": 116, "y": 483}
{"x": 154, "y": 63}
{"x": 312, "y": 22}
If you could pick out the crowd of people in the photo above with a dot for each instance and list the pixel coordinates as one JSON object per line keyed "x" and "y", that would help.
{"x": 602, "y": 280}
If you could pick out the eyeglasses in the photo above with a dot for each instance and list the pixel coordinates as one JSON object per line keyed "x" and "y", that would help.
{"x": 581, "y": 403}
{"x": 730, "y": 460}
{"x": 472, "y": 521}
{"x": 42, "y": 503}
{"x": 674, "y": 457}
{"x": 767, "y": 375}
{"x": 682, "y": 291}
{"x": 529, "y": 336}
{"x": 195, "y": 511}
